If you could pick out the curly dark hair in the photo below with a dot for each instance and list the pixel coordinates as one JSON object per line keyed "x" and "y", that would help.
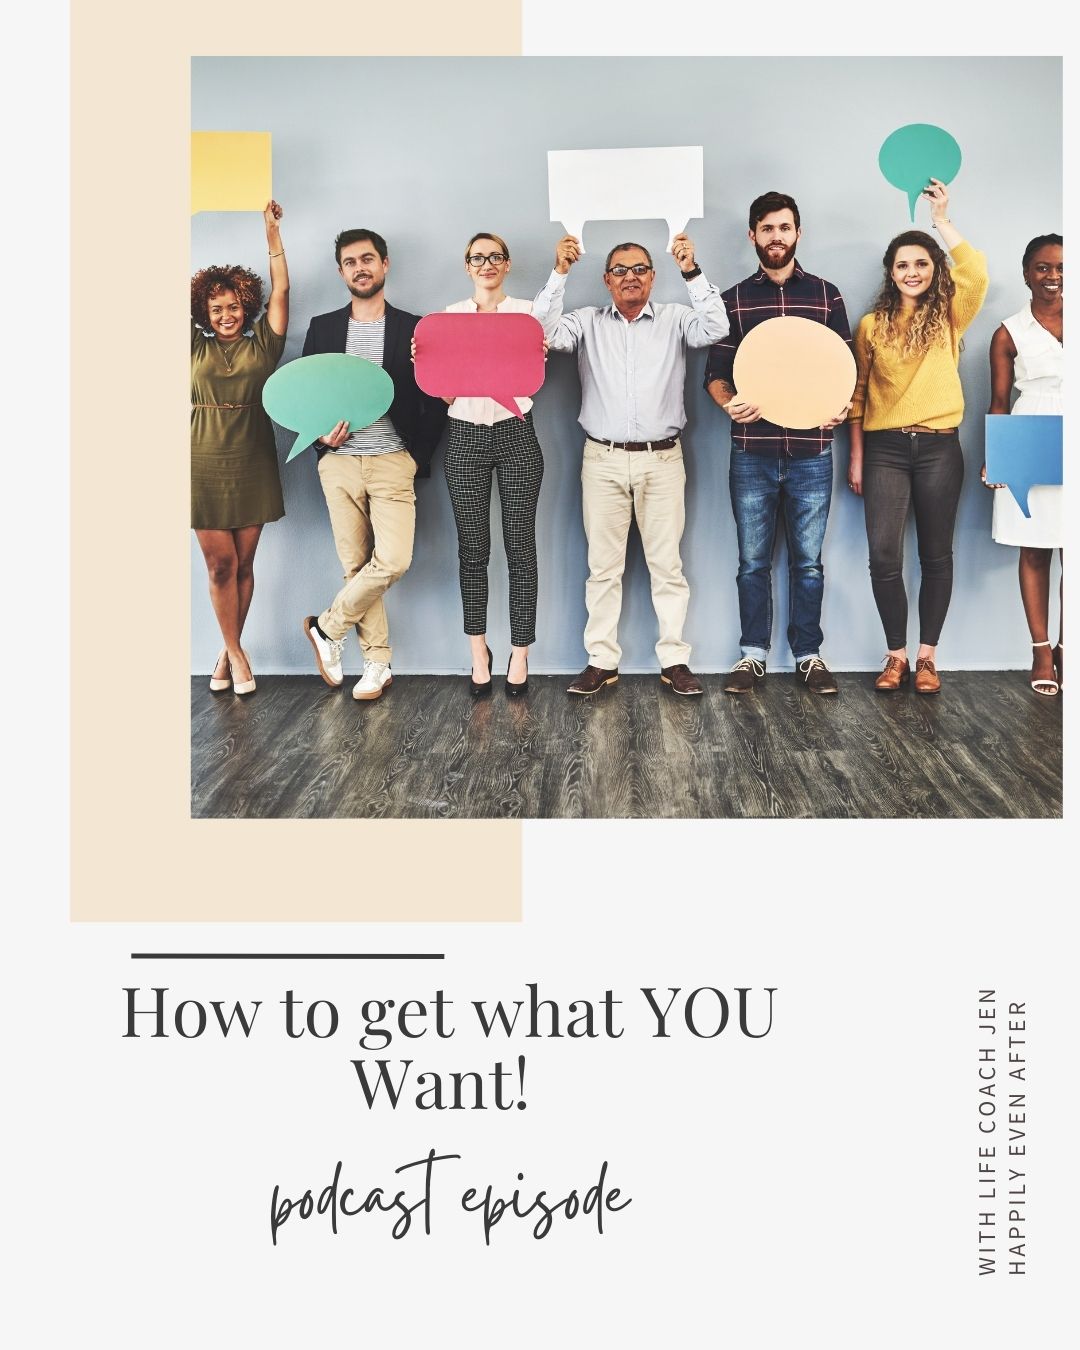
{"x": 932, "y": 321}
{"x": 211, "y": 281}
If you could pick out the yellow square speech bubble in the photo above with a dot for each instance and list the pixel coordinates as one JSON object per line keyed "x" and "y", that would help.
{"x": 230, "y": 170}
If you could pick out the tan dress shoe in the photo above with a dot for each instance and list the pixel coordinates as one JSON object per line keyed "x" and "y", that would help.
{"x": 895, "y": 674}
{"x": 927, "y": 680}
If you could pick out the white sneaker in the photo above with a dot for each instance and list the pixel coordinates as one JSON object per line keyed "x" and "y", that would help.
{"x": 375, "y": 679}
{"x": 327, "y": 653}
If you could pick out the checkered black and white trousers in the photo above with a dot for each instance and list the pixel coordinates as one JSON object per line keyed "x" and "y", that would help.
{"x": 510, "y": 450}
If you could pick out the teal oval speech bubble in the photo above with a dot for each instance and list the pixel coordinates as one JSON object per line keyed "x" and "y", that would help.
{"x": 914, "y": 154}
{"x": 312, "y": 394}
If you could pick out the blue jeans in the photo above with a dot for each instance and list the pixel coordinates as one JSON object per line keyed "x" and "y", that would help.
{"x": 761, "y": 487}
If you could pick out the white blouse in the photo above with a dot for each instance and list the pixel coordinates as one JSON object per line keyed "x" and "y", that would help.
{"x": 485, "y": 412}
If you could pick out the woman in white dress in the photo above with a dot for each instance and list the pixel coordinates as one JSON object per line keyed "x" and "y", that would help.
{"x": 1026, "y": 352}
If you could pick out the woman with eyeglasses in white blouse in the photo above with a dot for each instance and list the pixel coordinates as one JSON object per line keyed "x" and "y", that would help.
{"x": 485, "y": 439}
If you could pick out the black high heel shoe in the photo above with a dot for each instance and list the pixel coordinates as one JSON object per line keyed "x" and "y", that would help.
{"x": 516, "y": 690}
{"x": 482, "y": 690}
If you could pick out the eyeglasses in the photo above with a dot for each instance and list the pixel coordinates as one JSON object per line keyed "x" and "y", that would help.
{"x": 479, "y": 259}
{"x": 638, "y": 269}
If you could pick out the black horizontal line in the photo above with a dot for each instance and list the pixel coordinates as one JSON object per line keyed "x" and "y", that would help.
{"x": 287, "y": 956}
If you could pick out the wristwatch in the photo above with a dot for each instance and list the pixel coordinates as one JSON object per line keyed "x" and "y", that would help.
{"x": 689, "y": 276}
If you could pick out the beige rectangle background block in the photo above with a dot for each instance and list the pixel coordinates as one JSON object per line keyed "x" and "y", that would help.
{"x": 136, "y": 853}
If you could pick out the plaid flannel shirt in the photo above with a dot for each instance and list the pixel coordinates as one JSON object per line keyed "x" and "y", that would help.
{"x": 752, "y": 302}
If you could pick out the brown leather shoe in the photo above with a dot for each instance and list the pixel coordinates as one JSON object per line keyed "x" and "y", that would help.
{"x": 591, "y": 680}
{"x": 895, "y": 674}
{"x": 744, "y": 675}
{"x": 681, "y": 679}
{"x": 927, "y": 680}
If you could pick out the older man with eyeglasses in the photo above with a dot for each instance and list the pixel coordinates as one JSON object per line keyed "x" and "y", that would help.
{"x": 632, "y": 364}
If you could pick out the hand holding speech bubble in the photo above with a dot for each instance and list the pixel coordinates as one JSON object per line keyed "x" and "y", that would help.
{"x": 230, "y": 170}
{"x": 1023, "y": 452}
{"x": 662, "y": 181}
{"x": 798, "y": 372}
{"x": 312, "y": 394}
{"x": 497, "y": 356}
{"x": 914, "y": 154}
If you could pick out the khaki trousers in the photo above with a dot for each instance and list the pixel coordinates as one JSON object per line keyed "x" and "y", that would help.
{"x": 617, "y": 485}
{"x": 372, "y": 508}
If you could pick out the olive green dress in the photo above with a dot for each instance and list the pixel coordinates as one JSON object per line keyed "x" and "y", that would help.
{"x": 234, "y": 470}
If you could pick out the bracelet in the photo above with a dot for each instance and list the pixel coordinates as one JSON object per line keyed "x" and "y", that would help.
{"x": 278, "y": 255}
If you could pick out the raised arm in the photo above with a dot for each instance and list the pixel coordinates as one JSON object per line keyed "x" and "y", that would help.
{"x": 277, "y": 304}
{"x": 708, "y": 322}
{"x": 938, "y": 196}
{"x": 562, "y": 331}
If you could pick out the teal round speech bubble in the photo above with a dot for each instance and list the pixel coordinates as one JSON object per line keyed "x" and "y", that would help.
{"x": 312, "y": 394}
{"x": 914, "y": 154}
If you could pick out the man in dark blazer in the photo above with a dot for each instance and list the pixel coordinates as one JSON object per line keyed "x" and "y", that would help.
{"x": 367, "y": 475}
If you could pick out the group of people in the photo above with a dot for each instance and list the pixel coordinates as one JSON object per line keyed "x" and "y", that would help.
{"x": 631, "y": 354}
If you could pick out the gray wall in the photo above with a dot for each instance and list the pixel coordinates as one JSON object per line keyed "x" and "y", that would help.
{"x": 429, "y": 150}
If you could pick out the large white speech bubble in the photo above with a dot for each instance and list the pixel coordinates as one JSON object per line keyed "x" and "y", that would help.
{"x": 663, "y": 182}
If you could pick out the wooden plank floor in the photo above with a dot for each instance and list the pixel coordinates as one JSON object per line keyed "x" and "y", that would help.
{"x": 985, "y": 747}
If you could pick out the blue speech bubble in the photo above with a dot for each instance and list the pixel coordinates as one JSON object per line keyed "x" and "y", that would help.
{"x": 1022, "y": 452}
{"x": 914, "y": 154}
{"x": 313, "y": 393}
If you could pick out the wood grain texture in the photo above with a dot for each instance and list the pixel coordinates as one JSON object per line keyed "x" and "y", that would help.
{"x": 986, "y": 747}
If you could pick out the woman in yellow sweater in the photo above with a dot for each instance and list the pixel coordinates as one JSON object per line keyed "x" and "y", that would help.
{"x": 905, "y": 415}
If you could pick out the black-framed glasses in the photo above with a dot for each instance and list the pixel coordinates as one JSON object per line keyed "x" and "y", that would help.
{"x": 638, "y": 269}
{"x": 479, "y": 259}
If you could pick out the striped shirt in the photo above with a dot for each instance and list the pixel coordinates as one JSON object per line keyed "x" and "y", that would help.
{"x": 752, "y": 302}
{"x": 381, "y": 438}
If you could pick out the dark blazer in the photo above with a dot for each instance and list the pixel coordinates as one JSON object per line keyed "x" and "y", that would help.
{"x": 417, "y": 417}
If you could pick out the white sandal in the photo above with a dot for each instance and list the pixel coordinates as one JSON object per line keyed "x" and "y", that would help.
{"x": 1048, "y": 688}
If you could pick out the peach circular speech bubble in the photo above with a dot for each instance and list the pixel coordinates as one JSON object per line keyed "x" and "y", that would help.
{"x": 797, "y": 371}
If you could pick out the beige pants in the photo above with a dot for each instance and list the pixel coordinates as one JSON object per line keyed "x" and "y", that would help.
{"x": 372, "y": 509}
{"x": 617, "y": 485}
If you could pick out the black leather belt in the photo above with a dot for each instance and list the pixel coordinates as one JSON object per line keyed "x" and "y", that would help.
{"x": 669, "y": 444}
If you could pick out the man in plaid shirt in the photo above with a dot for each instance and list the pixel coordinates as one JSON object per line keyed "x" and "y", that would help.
{"x": 775, "y": 469}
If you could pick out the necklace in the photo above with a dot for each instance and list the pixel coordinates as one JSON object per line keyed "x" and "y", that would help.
{"x": 224, "y": 354}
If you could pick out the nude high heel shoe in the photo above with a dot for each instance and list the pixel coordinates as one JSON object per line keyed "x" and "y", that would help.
{"x": 245, "y": 686}
{"x": 217, "y": 686}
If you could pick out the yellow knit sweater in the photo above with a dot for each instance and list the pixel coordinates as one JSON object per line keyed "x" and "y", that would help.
{"x": 900, "y": 391}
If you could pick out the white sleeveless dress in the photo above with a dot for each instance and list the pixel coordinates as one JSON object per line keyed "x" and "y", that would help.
{"x": 1038, "y": 368}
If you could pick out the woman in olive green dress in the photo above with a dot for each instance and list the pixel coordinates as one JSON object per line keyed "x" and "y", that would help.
{"x": 235, "y": 485}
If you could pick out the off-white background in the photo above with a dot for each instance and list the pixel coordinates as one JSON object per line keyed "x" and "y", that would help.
{"x": 841, "y": 1173}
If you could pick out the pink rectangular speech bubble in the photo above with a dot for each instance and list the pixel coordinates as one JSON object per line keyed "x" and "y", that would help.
{"x": 497, "y": 356}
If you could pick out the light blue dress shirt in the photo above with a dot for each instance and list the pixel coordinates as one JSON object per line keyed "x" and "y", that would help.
{"x": 633, "y": 372}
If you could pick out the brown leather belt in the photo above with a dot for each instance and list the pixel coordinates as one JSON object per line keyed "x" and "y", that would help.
{"x": 229, "y": 406}
{"x": 669, "y": 444}
{"x": 928, "y": 431}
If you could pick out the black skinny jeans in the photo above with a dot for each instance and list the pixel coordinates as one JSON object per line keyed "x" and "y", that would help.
{"x": 901, "y": 469}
